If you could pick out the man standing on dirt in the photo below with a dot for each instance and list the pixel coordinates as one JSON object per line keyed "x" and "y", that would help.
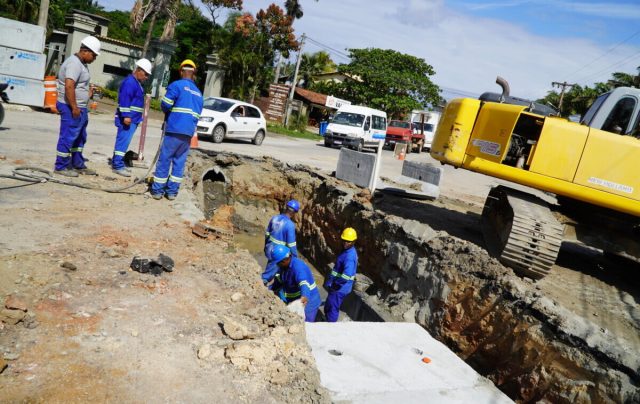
{"x": 340, "y": 282}
{"x": 129, "y": 113}
{"x": 74, "y": 92}
{"x": 294, "y": 281}
{"x": 280, "y": 231}
{"x": 182, "y": 105}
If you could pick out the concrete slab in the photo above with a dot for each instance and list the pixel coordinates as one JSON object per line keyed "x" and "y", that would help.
{"x": 427, "y": 185}
{"x": 356, "y": 167}
{"x": 383, "y": 362}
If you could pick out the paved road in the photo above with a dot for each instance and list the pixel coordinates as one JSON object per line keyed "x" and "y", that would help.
{"x": 23, "y": 130}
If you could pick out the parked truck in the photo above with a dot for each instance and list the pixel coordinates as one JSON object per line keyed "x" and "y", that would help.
{"x": 424, "y": 125}
{"x": 591, "y": 167}
{"x": 403, "y": 132}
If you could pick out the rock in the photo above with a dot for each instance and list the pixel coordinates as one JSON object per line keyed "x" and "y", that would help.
{"x": 11, "y": 356}
{"x": 3, "y": 365}
{"x": 68, "y": 265}
{"x": 236, "y": 330}
{"x": 11, "y": 316}
{"x": 245, "y": 353}
{"x": 236, "y": 296}
{"x": 295, "y": 329}
{"x": 279, "y": 332}
{"x": 204, "y": 351}
{"x": 134, "y": 333}
{"x": 279, "y": 374}
{"x": 14, "y": 302}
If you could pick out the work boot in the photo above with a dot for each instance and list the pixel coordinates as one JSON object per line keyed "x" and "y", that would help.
{"x": 86, "y": 171}
{"x": 122, "y": 172}
{"x": 67, "y": 172}
{"x": 171, "y": 197}
{"x": 157, "y": 197}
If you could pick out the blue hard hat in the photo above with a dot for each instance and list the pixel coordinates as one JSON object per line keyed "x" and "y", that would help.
{"x": 293, "y": 205}
{"x": 280, "y": 252}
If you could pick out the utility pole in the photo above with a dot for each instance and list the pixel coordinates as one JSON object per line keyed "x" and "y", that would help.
{"x": 277, "y": 74}
{"x": 563, "y": 85}
{"x": 43, "y": 15}
{"x": 295, "y": 80}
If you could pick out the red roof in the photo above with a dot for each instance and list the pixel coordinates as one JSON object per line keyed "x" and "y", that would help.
{"x": 312, "y": 97}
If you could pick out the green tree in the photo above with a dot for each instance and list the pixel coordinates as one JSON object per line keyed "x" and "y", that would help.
{"x": 314, "y": 64}
{"x": 385, "y": 79}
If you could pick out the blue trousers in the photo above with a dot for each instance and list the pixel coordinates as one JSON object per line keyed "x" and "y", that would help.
{"x": 332, "y": 306}
{"x": 310, "y": 312}
{"x": 173, "y": 156}
{"x": 72, "y": 138}
{"x": 272, "y": 267}
{"x": 123, "y": 139}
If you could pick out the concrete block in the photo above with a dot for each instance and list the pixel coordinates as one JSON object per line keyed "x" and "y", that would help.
{"x": 355, "y": 167}
{"x": 385, "y": 363}
{"x": 20, "y": 63}
{"x": 24, "y": 91}
{"x": 422, "y": 171}
{"x": 20, "y": 35}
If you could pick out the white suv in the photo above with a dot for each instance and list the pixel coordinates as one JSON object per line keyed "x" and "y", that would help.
{"x": 224, "y": 118}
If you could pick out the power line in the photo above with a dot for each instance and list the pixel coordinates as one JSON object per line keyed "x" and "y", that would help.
{"x": 606, "y": 53}
{"x": 610, "y": 67}
{"x": 320, "y": 44}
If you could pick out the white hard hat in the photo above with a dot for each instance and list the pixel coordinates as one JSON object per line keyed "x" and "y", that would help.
{"x": 144, "y": 64}
{"x": 92, "y": 43}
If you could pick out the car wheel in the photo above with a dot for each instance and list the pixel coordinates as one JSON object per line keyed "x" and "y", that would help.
{"x": 327, "y": 143}
{"x": 360, "y": 146}
{"x": 218, "y": 134}
{"x": 257, "y": 140}
{"x": 419, "y": 148}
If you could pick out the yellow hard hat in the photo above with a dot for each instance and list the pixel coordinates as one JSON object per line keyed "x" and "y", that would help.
{"x": 349, "y": 234}
{"x": 187, "y": 62}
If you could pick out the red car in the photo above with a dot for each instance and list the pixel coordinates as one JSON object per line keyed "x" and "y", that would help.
{"x": 402, "y": 132}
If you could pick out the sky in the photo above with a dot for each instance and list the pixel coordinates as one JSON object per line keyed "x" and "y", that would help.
{"x": 531, "y": 43}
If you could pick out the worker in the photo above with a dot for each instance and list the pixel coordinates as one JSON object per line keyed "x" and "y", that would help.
{"x": 74, "y": 92}
{"x": 294, "y": 281}
{"x": 129, "y": 113}
{"x": 182, "y": 105}
{"x": 340, "y": 282}
{"x": 280, "y": 231}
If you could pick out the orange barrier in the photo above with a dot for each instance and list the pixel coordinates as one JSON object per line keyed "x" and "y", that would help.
{"x": 50, "y": 93}
{"x": 194, "y": 141}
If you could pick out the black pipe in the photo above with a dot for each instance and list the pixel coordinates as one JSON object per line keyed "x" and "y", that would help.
{"x": 505, "y": 87}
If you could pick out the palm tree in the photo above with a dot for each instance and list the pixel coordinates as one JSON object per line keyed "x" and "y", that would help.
{"x": 142, "y": 10}
{"x": 314, "y": 64}
{"x": 620, "y": 79}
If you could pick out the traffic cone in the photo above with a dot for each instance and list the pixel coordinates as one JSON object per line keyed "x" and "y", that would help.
{"x": 194, "y": 141}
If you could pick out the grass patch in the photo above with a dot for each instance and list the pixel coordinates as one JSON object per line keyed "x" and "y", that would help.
{"x": 282, "y": 130}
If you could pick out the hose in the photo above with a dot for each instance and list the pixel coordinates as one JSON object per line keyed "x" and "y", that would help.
{"x": 19, "y": 174}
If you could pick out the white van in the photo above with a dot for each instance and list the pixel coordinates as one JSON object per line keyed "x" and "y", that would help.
{"x": 356, "y": 127}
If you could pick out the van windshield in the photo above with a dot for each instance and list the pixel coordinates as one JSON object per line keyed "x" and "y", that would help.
{"x": 349, "y": 119}
{"x": 428, "y": 127}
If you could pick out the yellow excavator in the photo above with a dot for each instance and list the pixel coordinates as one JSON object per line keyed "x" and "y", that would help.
{"x": 591, "y": 167}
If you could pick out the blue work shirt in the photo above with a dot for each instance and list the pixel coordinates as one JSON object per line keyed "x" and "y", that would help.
{"x": 130, "y": 100}
{"x": 183, "y": 103}
{"x": 344, "y": 272}
{"x": 281, "y": 230}
{"x": 296, "y": 281}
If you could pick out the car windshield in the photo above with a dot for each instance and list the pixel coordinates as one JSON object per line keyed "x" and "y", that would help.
{"x": 428, "y": 127}
{"x": 349, "y": 119}
{"x": 399, "y": 124}
{"x": 216, "y": 104}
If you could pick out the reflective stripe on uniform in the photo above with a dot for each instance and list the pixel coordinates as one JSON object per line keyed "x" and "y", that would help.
{"x": 288, "y": 295}
{"x": 77, "y": 149}
{"x": 119, "y": 153}
{"x": 137, "y": 109}
{"x": 124, "y": 109}
{"x": 185, "y": 111}
{"x": 61, "y": 154}
{"x": 290, "y": 245}
{"x": 310, "y": 286}
{"x": 167, "y": 100}
{"x": 343, "y": 276}
{"x": 160, "y": 180}
{"x": 276, "y": 241}
{"x": 175, "y": 179}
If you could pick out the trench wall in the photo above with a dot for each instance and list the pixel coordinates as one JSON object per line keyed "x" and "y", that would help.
{"x": 497, "y": 322}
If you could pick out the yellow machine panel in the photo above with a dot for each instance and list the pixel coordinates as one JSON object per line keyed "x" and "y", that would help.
{"x": 610, "y": 163}
{"x": 490, "y": 137}
{"x": 559, "y": 134}
{"x": 454, "y": 130}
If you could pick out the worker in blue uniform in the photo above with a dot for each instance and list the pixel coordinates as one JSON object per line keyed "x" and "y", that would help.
{"x": 294, "y": 281}
{"x": 280, "y": 231}
{"x": 129, "y": 113}
{"x": 340, "y": 282}
{"x": 182, "y": 105}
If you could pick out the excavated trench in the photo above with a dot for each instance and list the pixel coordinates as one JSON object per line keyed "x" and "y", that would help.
{"x": 530, "y": 346}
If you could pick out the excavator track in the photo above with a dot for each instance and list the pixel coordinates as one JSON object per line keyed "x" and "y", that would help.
{"x": 521, "y": 231}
